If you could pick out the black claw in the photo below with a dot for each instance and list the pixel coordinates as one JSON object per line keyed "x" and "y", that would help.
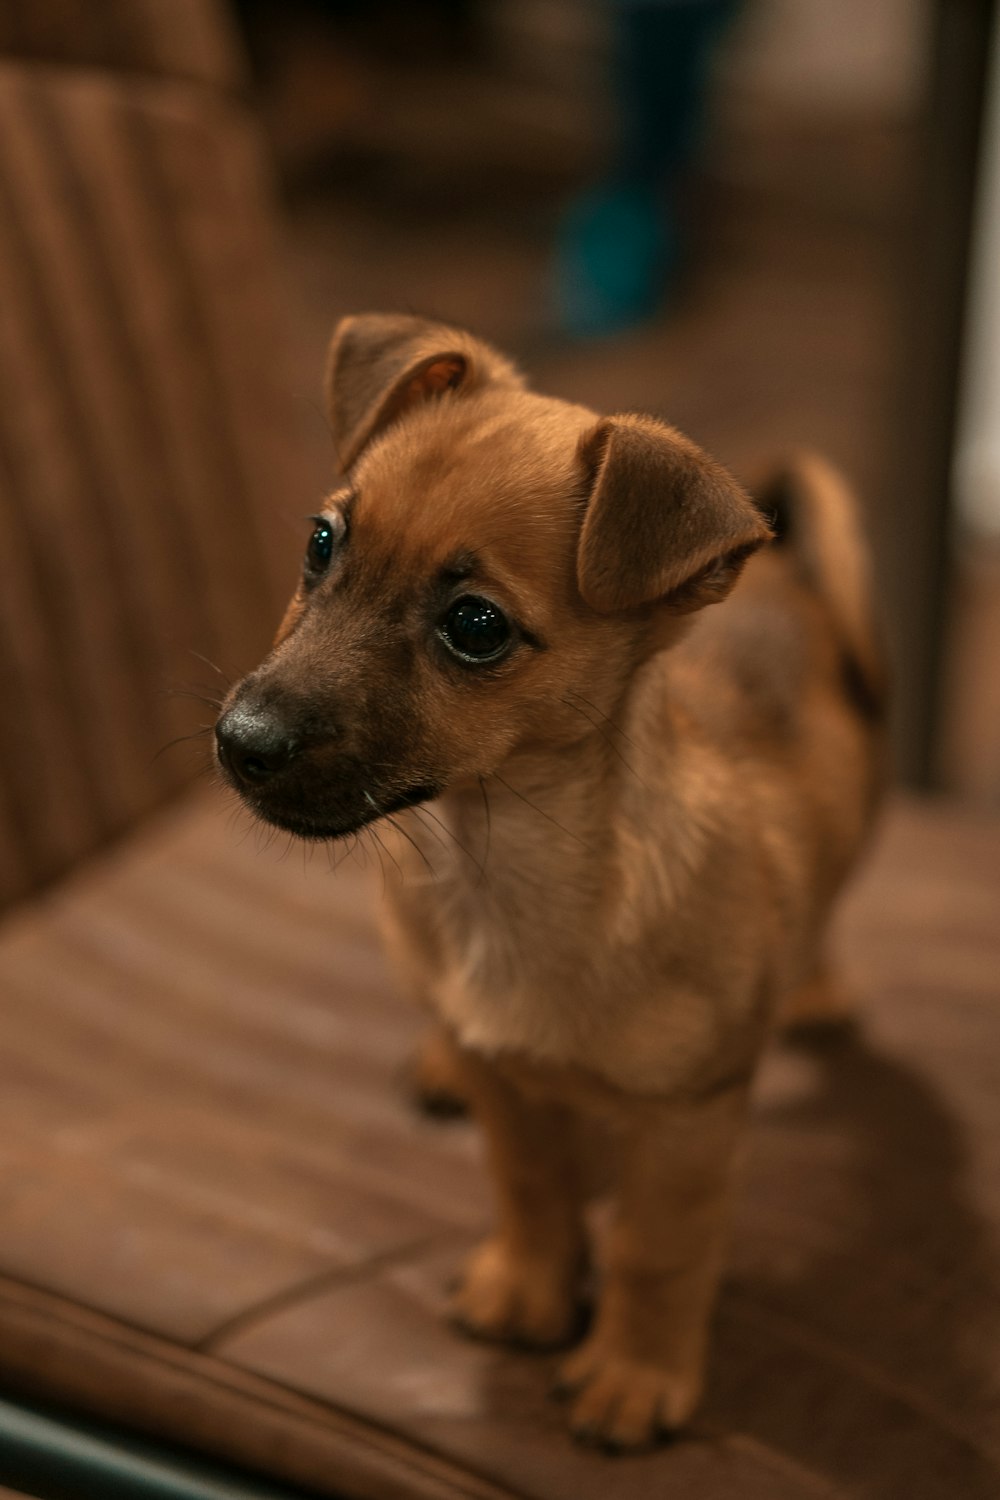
{"x": 440, "y": 1105}
{"x": 585, "y": 1435}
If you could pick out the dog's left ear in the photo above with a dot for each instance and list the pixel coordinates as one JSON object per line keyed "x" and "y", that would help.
{"x": 664, "y": 521}
{"x": 381, "y": 365}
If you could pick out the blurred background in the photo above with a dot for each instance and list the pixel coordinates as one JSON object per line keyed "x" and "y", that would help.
{"x": 774, "y": 222}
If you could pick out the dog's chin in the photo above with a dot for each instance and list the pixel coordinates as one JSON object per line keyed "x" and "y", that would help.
{"x": 304, "y": 828}
{"x": 319, "y": 829}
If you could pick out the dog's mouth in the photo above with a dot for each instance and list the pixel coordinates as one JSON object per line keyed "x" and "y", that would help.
{"x": 299, "y": 777}
{"x": 318, "y": 829}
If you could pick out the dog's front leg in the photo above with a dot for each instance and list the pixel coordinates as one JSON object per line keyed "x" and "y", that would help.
{"x": 521, "y": 1284}
{"x": 640, "y": 1371}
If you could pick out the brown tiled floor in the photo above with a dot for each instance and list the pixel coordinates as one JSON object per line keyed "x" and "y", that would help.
{"x": 227, "y": 1239}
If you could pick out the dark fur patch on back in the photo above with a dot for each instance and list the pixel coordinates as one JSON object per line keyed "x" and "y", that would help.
{"x": 860, "y": 693}
{"x": 776, "y": 506}
{"x": 777, "y": 503}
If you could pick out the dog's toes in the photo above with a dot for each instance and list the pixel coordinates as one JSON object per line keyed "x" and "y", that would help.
{"x": 623, "y": 1405}
{"x": 434, "y": 1081}
{"x": 511, "y": 1298}
{"x": 439, "y": 1104}
{"x": 820, "y": 1010}
{"x": 577, "y": 1369}
{"x": 640, "y": 1418}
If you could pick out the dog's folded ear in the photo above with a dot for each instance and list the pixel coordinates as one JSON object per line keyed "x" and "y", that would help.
{"x": 664, "y": 522}
{"x": 383, "y": 364}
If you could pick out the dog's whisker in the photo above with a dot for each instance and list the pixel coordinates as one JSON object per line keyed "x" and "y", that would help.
{"x": 489, "y": 819}
{"x": 607, "y": 740}
{"x": 351, "y": 851}
{"x": 226, "y": 676}
{"x": 365, "y": 834}
{"x": 426, "y": 812}
{"x": 369, "y": 830}
{"x": 602, "y": 715}
{"x": 410, "y": 840}
{"x": 541, "y": 811}
{"x": 272, "y": 834}
{"x": 388, "y": 852}
{"x": 346, "y": 853}
{"x": 180, "y": 739}
{"x": 381, "y": 861}
{"x": 423, "y": 813}
{"x": 359, "y": 851}
{"x": 195, "y": 693}
{"x": 252, "y": 823}
{"x": 337, "y": 851}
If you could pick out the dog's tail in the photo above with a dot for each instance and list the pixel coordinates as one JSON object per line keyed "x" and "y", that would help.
{"x": 816, "y": 518}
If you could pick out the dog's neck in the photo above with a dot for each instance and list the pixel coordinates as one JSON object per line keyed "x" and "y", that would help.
{"x": 549, "y": 834}
{"x": 532, "y": 887}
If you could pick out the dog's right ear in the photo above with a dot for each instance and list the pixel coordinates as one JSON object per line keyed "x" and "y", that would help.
{"x": 664, "y": 522}
{"x": 381, "y": 365}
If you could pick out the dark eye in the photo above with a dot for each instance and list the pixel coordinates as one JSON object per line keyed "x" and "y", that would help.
{"x": 475, "y": 629}
{"x": 320, "y": 548}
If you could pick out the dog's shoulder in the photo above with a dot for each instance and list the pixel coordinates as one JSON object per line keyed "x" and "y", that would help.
{"x": 748, "y": 668}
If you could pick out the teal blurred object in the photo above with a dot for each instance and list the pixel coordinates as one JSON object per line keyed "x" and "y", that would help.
{"x": 620, "y": 244}
{"x": 53, "y": 1458}
{"x": 617, "y": 251}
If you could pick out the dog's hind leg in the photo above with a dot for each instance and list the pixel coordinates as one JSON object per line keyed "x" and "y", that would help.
{"x": 821, "y": 1003}
{"x": 434, "y": 1077}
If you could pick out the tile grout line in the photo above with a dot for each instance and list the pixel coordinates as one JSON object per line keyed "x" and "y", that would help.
{"x": 322, "y": 1281}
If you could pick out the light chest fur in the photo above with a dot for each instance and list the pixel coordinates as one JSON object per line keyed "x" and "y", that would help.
{"x": 563, "y": 920}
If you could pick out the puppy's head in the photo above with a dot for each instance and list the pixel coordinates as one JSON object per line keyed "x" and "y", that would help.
{"x": 493, "y": 562}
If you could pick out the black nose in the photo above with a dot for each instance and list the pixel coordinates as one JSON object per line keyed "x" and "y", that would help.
{"x": 254, "y": 743}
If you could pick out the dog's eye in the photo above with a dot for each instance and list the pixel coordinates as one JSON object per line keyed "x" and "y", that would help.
{"x": 475, "y": 629}
{"x": 320, "y": 548}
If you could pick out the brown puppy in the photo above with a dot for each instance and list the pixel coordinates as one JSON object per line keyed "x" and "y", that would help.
{"x": 651, "y": 806}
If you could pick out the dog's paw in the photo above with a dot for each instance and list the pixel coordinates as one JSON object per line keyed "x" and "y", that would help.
{"x": 820, "y": 1010}
{"x": 433, "y": 1079}
{"x": 515, "y": 1298}
{"x": 623, "y": 1404}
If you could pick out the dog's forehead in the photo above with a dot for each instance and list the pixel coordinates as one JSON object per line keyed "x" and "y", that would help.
{"x": 499, "y": 476}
